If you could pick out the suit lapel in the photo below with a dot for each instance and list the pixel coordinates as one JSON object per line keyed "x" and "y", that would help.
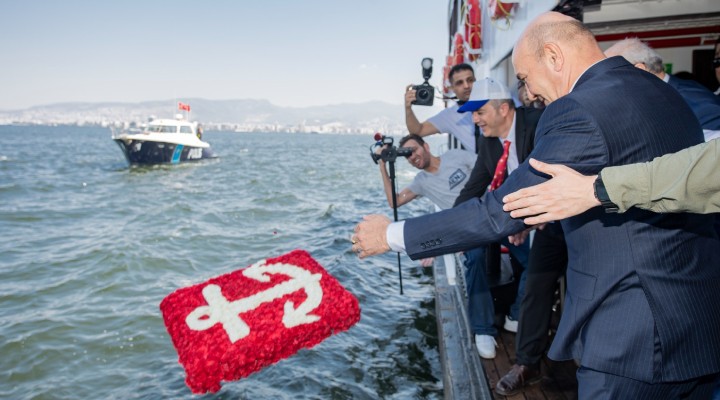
{"x": 520, "y": 136}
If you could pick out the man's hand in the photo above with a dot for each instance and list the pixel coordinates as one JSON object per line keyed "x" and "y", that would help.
{"x": 370, "y": 236}
{"x": 427, "y": 262}
{"x": 568, "y": 193}
{"x": 520, "y": 237}
{"x": 409, "y": 96}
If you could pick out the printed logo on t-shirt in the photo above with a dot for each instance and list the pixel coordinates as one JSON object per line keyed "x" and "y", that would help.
{"x": 456, "y": 178}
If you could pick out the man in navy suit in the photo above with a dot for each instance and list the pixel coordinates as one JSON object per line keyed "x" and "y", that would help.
{"x": 640, "y": 314}
{"x": 704, "y": 103}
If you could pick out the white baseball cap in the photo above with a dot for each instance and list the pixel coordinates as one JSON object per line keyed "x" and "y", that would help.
{"x": 483, "y": 91}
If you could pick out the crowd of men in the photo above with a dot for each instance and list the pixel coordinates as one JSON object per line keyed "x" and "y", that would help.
{"x": 613, "y": 160}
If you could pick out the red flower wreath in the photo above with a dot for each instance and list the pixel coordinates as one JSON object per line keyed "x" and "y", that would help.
{"x": 238, "y": 323}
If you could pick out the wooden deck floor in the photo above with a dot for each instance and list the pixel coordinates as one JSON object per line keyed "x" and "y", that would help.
{"x": 558, "y": 381}
{"x": 465, "y": 374}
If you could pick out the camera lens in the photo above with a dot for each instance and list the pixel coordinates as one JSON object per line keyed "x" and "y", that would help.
{"x": 423, "y": 94}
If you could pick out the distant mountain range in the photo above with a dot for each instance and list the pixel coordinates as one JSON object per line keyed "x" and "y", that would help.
{"x": 243, "y": 115}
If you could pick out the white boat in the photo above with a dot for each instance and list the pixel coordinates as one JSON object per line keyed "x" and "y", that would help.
{"x": 163, "y": 141}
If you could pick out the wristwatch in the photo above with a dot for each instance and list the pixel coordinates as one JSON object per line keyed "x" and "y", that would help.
{"x": 602, "y": 195}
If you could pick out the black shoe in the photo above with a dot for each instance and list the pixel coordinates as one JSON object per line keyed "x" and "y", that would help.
{"x": 515, "y": 380}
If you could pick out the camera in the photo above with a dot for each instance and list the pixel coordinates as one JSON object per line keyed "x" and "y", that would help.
{"x": 425, "y": 93}
{"x": 390, "y": 153}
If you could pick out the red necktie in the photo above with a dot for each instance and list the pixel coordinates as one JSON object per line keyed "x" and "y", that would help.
{"x": 500, "y": 169}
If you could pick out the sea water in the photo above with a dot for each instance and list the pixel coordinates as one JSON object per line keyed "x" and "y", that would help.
{"x": 90, "y": 246}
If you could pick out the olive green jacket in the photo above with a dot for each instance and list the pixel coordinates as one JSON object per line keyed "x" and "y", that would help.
{"x": 686, "y": 181}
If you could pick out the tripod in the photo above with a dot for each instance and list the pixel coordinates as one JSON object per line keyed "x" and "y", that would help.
{"x": 389, "y": 154}
{"x": 394, "y": 205}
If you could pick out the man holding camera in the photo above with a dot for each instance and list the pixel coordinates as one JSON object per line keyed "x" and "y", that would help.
{"x": 462, "y": 77}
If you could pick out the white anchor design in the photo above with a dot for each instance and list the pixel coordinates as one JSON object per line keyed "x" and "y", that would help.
{"x": 220, "y": 310}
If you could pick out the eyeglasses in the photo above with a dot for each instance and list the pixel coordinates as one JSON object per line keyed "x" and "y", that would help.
{"x": 716, "y": 62}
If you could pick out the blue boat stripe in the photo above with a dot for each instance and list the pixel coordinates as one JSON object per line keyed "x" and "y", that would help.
{"x": 176, "y": 154}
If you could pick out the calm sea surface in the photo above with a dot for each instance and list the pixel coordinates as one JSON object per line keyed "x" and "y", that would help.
{"x": 89, "y": 247}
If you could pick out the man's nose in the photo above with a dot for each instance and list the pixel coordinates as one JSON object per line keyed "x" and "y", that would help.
{"x": 530, "y": 95}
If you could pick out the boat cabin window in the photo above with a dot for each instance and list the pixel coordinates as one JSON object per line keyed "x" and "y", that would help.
{"x": 185, "y": 129}
{"x": 162, "y": 128}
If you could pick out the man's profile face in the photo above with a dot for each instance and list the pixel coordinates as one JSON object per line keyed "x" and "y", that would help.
{"x": 462, "y": 82}
{"x": 531, "y": 71}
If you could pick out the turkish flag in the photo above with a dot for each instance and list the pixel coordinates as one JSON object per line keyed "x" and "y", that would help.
{"x": 238, "y": 323}
{"x": 182, "y": 106}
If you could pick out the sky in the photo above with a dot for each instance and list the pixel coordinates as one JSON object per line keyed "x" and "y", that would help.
{"x": 291, "y": 53}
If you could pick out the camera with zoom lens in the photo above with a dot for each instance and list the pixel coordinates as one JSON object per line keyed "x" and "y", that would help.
{"x": 425, "y": 93}
{"x": 390, "y": 153}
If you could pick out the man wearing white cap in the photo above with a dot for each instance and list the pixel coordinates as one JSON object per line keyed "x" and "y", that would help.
{"x": 508, "y": 136}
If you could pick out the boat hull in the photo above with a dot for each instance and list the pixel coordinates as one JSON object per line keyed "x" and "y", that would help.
{"x": 139, "y": 152}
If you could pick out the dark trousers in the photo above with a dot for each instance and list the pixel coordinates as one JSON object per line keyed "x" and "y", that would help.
{"x": 598, "y": 385}
{"x": 547, "y": 263}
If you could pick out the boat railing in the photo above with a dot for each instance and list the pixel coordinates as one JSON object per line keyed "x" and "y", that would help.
{"x": 463, "y": 373}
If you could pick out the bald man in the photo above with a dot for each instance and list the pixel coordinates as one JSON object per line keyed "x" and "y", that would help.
{"x": 640, "y": 314}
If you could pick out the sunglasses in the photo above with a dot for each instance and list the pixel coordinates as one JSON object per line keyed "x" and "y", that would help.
{"x": 716, "y": 62}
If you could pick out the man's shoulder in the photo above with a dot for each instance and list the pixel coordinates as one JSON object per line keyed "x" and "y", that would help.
{"x": 449, "y": 112}
{"x": 693, "y": 89}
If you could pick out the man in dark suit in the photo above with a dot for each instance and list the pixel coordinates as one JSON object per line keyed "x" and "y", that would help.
{"x": 642, "y": 289}
{"x": 495, "y": 113}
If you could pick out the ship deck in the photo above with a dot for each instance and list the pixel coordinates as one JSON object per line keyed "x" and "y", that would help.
{"x": 465, "y": 374}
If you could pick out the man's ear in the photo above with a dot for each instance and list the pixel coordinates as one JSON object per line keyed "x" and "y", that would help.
{"x": 553, "y": 56}
{"x": 642, "y": 66}
{"x": 504, "y": 109}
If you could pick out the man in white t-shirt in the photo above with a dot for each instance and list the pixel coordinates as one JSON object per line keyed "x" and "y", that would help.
{"x": 461, "y": 126}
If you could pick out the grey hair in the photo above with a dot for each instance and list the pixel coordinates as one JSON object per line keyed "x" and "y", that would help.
{"x": 635, "y": 51}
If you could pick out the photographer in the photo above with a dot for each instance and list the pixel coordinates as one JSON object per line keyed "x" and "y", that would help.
{"x": 441, "y": 178}
{"x": 462, "y": 77}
